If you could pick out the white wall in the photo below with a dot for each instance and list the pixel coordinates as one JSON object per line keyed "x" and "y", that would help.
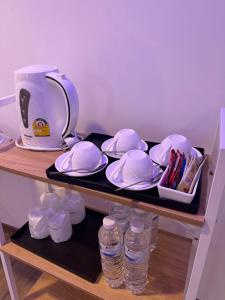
{"x": 157, "y": 66}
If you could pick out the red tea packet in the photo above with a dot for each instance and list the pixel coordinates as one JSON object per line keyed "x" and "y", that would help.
{"x": 172, "y": 161}
{"x": 175, "y": 175}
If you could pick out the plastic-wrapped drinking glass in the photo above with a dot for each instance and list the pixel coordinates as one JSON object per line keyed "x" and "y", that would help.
{"x": 38, "y": 223}
{"x": 50, "y": 200}
{"x": 60, "y": 227}
{"x": 73, "y": 204}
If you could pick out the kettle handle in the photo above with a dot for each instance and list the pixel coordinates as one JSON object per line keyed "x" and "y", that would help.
{"x": 70, "y": 98}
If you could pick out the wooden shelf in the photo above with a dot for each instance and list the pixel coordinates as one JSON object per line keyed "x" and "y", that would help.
{"x": 33, "y": 164}
{"x": 166, "y": 277}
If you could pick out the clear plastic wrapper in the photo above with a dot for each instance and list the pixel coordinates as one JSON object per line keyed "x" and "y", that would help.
{"x": 60, "y": 227}
{"x": 74, "y": 205}
{"x": 38, "y": 223}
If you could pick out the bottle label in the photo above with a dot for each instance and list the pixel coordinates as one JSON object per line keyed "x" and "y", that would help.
{"x": 136, "y": 256}
{"x": 41, "y": 127}
{"x": 111, "y": 250}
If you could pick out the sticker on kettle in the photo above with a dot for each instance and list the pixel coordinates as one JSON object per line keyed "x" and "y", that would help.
{"x": 41, "y": 127}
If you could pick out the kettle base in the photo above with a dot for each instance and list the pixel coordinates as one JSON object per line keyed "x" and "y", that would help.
{"x": 19, "y": 144}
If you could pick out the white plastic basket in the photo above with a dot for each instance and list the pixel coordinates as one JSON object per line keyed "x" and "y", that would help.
{"x": 171, "y": 194}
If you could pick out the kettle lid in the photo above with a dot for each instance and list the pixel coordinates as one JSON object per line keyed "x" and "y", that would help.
{"x": 32, "y": 69}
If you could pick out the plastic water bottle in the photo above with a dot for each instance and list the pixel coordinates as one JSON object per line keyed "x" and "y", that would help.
{"x": 150, "y": 221}
{"x": 146, "y": 218}
{"x": 111, "y": 249}
{"x": 154, "y": 238}
{"x": 136, "y": 258}
{"x": 121, "y": 214}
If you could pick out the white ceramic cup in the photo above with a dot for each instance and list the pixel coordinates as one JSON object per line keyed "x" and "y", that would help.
{"x": 176, "y": 142}
{"x": 126, "y": 139}
{"x": 83, "y": 156}
{"x": 136, "y": 166}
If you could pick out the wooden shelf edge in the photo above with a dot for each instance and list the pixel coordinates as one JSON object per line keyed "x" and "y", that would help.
{"x": 171, "y": 277}
{"x": 48, "y": 267}
{"x": 193, "y": 219}
{"x": 49, "y": 287}
{"x": 32, "y": 165}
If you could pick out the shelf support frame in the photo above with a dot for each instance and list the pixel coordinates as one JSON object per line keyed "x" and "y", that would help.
{"x": 7, "y": 267}
{"x": 211, "y": 215}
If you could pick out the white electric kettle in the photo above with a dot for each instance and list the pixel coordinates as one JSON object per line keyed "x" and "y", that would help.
{"x": 47, "y": 107}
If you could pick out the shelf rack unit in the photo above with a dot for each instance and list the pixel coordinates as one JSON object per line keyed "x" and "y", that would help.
{"x": 167, "y": 273}
{"x": 33, "y": 165}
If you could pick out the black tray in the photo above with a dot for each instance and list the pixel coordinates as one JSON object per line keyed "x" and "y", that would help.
{"x": 99, "y": 182}
{"x": 79, "y": 255}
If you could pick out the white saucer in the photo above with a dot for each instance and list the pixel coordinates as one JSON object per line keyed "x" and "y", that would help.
{"x": 105, "y": 145}
{"x": 137, "y": 187}
{"x": 62, "y": 157}
{"x": 153, "y": 153}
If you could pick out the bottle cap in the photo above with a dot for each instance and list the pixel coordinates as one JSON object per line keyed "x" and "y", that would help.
{"x": 109, "y": 222}
{"x": 137, "y": 226}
